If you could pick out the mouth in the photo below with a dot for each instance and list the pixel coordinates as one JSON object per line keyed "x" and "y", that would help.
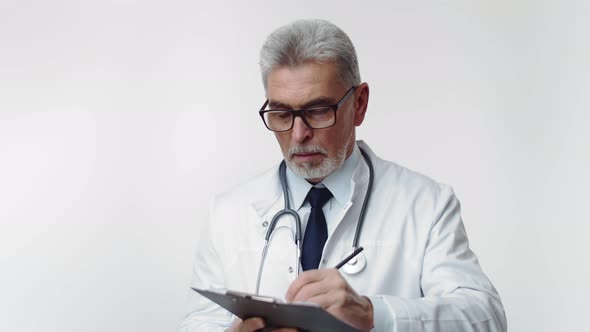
{"x": 307, "y": 156}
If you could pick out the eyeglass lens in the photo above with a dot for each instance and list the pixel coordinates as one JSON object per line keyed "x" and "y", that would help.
{"x": 316, "y": 118}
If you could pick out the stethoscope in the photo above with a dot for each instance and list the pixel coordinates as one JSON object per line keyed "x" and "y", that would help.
{"x": 355, "y": 265}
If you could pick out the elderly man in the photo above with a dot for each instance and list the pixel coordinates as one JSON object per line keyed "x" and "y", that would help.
{"x": 416, "y": 273}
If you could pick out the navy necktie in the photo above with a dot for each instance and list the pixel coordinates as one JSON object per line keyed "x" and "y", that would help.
{"x": 316, "y": 232}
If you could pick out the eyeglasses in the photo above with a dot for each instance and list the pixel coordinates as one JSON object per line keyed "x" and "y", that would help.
{"x": 316, "y": 117}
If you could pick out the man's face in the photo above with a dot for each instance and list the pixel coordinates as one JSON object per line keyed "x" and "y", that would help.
{"x": 314, "y": 153}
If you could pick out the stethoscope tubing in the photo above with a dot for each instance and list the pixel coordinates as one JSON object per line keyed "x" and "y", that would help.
{"x": 361, "y": 221}
{"x": 288, "y": 211}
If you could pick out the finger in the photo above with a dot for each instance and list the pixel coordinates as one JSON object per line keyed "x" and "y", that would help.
{"x": 329, "y": 300}
{"x": 311, "y": 289}
{"x": 303, "y": 279}
{"x": 332, "y": 280}
{"x": 235, "y": 325}
{"x": 252, "y": 324}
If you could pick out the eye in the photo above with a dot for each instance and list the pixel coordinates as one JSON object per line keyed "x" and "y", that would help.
{"x": 319, "y": 112}
{"x": 278, "y": 115}
{"x": 284, "y": 115}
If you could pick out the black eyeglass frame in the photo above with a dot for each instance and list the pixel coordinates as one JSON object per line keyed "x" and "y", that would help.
{"x": 301, "y": 113}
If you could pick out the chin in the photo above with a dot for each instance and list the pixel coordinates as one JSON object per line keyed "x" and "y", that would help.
{"x": 313, "y": 171}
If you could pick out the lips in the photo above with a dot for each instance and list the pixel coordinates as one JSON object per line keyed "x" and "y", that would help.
{"x": 306, "y": 153}
{"x": 304, "y": 157}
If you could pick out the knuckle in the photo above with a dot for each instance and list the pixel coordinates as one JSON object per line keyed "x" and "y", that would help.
{"x": 304, "y": 293}
{"x": 341, "y": 297}
{"x": 302, "y": 278}
{"x": 340, "y": 284}
{"x": 342, "y": 294}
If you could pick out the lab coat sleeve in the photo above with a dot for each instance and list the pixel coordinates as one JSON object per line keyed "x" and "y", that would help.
{"x": 457, "y": 296}
{"x": 201, "y": 314}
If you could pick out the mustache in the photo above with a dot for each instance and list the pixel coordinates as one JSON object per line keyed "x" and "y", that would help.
{"x": 303, "y": 149}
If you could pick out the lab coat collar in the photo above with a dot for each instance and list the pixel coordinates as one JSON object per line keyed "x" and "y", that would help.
{"x": 271, "y": 188}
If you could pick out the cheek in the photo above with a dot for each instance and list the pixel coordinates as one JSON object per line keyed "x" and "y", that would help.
{"x": 332, "y": 141}
{"x": 283, "y": 140}
{"x": 339, "y": 137}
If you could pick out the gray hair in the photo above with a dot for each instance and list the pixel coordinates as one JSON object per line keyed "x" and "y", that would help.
{"x": 310, "y": 41}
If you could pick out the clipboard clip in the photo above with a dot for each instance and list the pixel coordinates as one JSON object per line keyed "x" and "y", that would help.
{"x": 268, "y": 299}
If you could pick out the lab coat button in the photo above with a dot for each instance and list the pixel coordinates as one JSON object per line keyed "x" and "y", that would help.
{"x": 265, "y": 224}
{"x": 290, "y": 269}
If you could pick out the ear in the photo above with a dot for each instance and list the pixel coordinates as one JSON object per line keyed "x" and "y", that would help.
{"x": 361, "y": 101}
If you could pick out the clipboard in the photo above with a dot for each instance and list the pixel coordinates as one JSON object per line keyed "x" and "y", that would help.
{"x": 302, "y": 315}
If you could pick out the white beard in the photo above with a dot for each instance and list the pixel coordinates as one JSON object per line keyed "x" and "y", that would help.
{"x": 310, "y": 171}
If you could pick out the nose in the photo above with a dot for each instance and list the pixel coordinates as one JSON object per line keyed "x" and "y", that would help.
{"x": 301, "y": 132}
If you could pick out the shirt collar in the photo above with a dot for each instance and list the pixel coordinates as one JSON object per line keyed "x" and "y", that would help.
{"x": 339, "y": 182}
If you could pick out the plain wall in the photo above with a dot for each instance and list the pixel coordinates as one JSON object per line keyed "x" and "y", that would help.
{"x": 120, "y": 119}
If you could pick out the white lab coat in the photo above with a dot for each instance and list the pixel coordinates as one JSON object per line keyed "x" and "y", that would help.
{"x": 420, "y": 273}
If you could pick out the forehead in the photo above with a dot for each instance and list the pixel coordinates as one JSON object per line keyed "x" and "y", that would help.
{"x": 295, "y": 86}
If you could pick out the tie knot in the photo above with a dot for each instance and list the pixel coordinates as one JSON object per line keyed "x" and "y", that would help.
{"x": 318, "y": 197}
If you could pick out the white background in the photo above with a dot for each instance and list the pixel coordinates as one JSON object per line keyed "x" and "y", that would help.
{"x": 120, "y": 119}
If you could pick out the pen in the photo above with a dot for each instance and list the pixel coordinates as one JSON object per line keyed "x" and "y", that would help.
{"x": 349, "y": 257}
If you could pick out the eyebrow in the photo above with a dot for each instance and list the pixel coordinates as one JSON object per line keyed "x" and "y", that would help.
{"x": 320, "y": 101}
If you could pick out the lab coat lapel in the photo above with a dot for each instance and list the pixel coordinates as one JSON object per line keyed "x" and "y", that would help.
{"x": 266, "y": 200}
{"x": 280, "y": 267}
{"x": 340, "y": 243}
